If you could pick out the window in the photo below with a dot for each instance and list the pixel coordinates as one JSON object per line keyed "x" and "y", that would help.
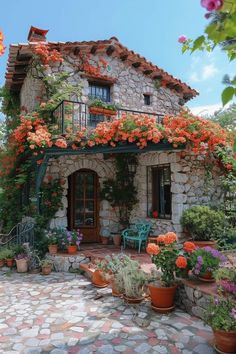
{"x": 159, "y": 191}
{"x": 99, "y": 91}
{"x": 147, "y": 99}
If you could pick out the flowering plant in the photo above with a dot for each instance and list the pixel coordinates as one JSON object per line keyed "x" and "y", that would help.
{"x": 72, "y": 238}
{"x": 204, "y": 260}
{"x": 53, "y": 236}
{"x": 167, "y": 257}
{"x": 221, "y": 314}
{"x": 226, "y": 280}
{"x": 111, "y": 265}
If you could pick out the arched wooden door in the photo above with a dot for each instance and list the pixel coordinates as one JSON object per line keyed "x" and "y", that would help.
{"x": 83, "y": 210}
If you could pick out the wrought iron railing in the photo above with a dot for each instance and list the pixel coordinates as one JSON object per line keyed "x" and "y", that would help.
{"x": 71, "y": 116}
{"x": 21, "y": 233}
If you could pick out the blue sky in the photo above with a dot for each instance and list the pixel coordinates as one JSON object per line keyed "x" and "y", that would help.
{"x": 149, "y": 27}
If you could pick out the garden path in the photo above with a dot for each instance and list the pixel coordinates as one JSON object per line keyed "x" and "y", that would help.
{"x": 63, "y": 313}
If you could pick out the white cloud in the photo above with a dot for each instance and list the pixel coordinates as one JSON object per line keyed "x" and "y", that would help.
{"x": 194, "y": 77}
{"x": 207, "y": 109}
{"x": 209, "y": 71}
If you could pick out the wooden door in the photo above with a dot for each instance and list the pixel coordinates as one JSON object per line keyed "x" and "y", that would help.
{"x": 83, "y": 204}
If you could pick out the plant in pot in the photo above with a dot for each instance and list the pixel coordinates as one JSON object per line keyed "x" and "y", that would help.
{"x": 46, "y": 266}
{"x": 220, "y": 315}
{"x": 9, "y": 255}
{"x": 204, "y": 225}
{"x": 167, "y": 259}
{"x": 204, "y": 261}
{"x": 97, "y": 106}
{"x": 72, "y": 240}
{"x": 52, "y": 239}
{"x": 134, "y": 281}
{"x": 226, "y": 280}
{"x": 21, "y": 259}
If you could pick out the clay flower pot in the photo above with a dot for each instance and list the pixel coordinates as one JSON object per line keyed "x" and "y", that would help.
{"x": 202, "y": 244}
{"x": 117, "y": 240}
{"x": 10, "y": 262}
{"x": 132, "y": 300}
{"x": 114, "y": 290}
{"x": 98, "y": 280}
{"x": 52, "y": 249}
{"x": 162, "y": 297}
{"x": 72, "y": 249}
{"x": 46, "y": 270}
{"x": 22, "y": 265}
{"x": 207, "y": 277}
{"x": 225, "y": 341}
{"x": 104, "y": 240}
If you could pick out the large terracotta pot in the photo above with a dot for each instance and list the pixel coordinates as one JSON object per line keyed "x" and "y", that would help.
{"x": 72, "y": 249}
{"x": 22, "y": 265}
{"x": 225, "y": 341}
{"x": 132, "y": 300}
{"x": 162, "y": 297}
{"x": 104, "y": 240}
{"x": 98, "y": 280}
{"x": 202, "y": 244}
{"x": 52, "y": 249}
{"x": 10, "y": 262}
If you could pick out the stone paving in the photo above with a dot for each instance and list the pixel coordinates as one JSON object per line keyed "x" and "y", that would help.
{"x": 63, "y": 313}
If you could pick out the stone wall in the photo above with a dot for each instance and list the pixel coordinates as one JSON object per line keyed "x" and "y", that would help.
{"x": 189, "y": 186}
{"x": 127, "y": 91}
{"x": 65, "y": 263}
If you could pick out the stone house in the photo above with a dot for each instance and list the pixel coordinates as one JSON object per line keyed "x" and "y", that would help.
{"x": 167, "y": 180}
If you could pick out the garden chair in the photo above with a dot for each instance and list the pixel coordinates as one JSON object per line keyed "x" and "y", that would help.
{"x": 138, "y": 233}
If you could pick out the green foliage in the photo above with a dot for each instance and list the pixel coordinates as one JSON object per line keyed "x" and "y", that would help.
{"x": 99, "y": 103}
{"x": 225, "y": 274}
{"x": 219, "y": 314}
{"x": 204, "y": 223}
{"x": 165, "y": 261}
{"x": 7, "y": 253}
{"x": 228, "y": 94}
{"x": 121, "y": 192}
{"x": 226, "y": 118}
{"x": 204, "y": 260}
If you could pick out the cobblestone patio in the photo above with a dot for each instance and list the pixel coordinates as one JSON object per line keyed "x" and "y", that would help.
{"x": 64, "y": 313}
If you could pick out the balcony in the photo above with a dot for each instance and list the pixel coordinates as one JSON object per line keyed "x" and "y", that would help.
{"x": 71, "y": 116}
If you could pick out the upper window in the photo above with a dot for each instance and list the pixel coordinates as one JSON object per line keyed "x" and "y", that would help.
{"x": 100, "y": 91}
{"x": 159, "y": 191}
{"x": 147, "y": 99}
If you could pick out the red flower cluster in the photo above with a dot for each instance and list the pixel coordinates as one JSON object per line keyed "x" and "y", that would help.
{"x": 47, "y": 55}
{"x": 167, "y": 239}
{"x": 189, "y": 247}
{"x": 181, "y": 262}
{"x": 153, "y": 249}
{"x": 2, "y": 48}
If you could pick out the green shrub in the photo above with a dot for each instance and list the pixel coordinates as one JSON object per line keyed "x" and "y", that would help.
{"x": 204, "y": 223}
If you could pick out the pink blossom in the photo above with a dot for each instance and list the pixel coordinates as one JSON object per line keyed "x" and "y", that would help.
{"x": 182, "y": 39}
{"x": 212, "y": 5}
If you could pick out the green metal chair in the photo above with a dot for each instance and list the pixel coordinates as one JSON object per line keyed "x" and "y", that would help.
{"x": 139, "y": 234}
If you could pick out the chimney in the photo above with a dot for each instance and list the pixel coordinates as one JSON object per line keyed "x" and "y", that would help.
{"x": 37, "y": 35}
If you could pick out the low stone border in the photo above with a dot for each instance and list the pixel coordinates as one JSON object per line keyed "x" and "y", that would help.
{"x": 194, "y": 297}
{"x": 67, "y": 263}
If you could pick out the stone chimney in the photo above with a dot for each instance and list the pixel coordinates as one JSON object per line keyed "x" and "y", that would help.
{"x": 37, "y": 35}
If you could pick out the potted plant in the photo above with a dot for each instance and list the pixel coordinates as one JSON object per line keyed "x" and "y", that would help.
{"x": 167, "y": 259}
{"x": 72, "y": 240}
{"x": 220, "y": 315}
{"x": 195, "y": 221}
{"x": 204, "y": 261}
{"x": 46, "y": 266}
{"x": 97, "y": 106}
{"x": 52, "y": 238}
{"x": 9, "y": 256}
{"x": 134, "y": 280}
{"x": 226, "y": 280}
{"x": 116, "y": 238}
{"x": 2, "y": 258}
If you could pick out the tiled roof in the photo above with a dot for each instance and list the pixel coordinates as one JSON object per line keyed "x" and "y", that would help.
{"x": 20, "y": 56}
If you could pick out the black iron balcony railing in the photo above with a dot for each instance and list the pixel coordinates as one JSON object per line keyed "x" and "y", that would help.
{"x": 71, "y": 116}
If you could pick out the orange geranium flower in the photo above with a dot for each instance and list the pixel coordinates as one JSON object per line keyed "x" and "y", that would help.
{"x": 170, "y": 237}
{"x": 181, "y": 262}
{"x": 189, "y": 246}
{"x": 161, "y": 239}
{"x": 152, "y": 249}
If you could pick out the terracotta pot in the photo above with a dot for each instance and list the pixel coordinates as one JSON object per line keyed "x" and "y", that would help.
{"x": 132, "y": 300}
{"x": 98, "y": 280}
{"x": 162, "y": 297}
{"x": 109, "y": 112}
{"x": 225, "y": 341}
{"x": 10, "y": 262}
{"x": 2, "y": 262}
{"x": 115, "y": 291}
{"x": 117, "y": 240}
{"x": 52, "y": 249}
{"x": 72, "y": 249}
{"x": 207, "y": 277}
{"x": 22, "y": 265}
{"x": 96, "y": 110}
{"x": 104, "y": 240}
{"x": 202, "y": 244}
{"x": 46, "y": 270}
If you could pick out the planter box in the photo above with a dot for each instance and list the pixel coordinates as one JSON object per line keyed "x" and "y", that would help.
{"x": 102, "y": 111}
